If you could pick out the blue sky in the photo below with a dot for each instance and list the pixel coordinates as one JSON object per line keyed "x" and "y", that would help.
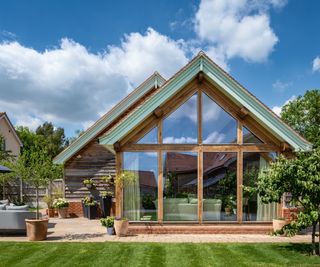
{"x": 70, "y": 61}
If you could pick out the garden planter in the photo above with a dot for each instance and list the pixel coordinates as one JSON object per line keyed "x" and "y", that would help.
{"x": 91, "y": 212}
{"x": 110, "y": 230}
{"x": 227, "y": 211}
{"x": 37, "y": 229}
{"x": 278, "y": 224}
{"x": 121, "y": 227}
{"x": 51, "y": 212}
{"x": 84, "y": 210}
{"x": 106, "y": 203}
{"x": 63, "y": 212}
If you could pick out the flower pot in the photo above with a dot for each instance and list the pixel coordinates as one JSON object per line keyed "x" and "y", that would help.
{"x": 110, "y": 230}
{"x": 51, "y": 212}
{"x": 121, "y": 227}
{"x": 278, "y": 224}
{"x": 106, "y": 204}
{"x": 37, "y": 229}
{"x": 63, "y": 212}
{"x": 227, "y": 211}
{"x": 84, "y": 210}
{"x": 91, "y": 212}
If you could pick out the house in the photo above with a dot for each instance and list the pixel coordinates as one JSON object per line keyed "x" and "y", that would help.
{"x": 11, "y": 141}
{"x": 200, "y": 136}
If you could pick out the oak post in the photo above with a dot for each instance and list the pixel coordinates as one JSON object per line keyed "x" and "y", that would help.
{"x": 119, "y": 195}
{"x": 160, "y": 188}
{"x": 200, "y": 185}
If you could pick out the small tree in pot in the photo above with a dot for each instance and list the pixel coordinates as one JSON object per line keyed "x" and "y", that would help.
{"x": 37, "y": 169}
{"x": 88, "y": 183}
{"x": 61, "y": 204}
{"x": 90, "y": 208}
{"x": 48, "y": 199}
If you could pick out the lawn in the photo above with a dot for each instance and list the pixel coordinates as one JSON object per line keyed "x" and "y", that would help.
{"x": 154, "y": 254}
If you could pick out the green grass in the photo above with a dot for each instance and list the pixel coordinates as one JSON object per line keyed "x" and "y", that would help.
{"x": 154, "y": 254}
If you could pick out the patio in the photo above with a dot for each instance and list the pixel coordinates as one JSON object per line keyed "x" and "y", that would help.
{"x": 84, "y": 230}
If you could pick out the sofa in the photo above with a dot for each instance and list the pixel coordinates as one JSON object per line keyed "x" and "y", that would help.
{"x": 12, "y": 217}
{"x": 186, "y": 209}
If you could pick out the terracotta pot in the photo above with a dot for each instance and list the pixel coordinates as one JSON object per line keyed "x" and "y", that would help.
{"x": 37, "y": 229}
{"x": 278, "y": 224}
{"x": 63, "y": 212}
{"x": 121, "y": 227}
{"x": 51, "y": 212}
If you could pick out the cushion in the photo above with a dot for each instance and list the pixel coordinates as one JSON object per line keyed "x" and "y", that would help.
{"x": 212, "y": 201}
{"x": 24, "y": 207}
{"x": 175, "y": 200}
{"x": 4, "y": 201}
{"x": 193, "y": 201}
{"x": 3, "y": 206}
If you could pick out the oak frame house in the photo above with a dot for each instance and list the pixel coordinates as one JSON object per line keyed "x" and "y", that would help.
{"x": 191, "y": 143}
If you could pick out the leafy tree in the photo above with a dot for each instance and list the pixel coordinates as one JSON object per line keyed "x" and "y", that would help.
{"x": 37, "y": 169}
{"x": 301, "y": 178}
{"x": 303, "y": 115}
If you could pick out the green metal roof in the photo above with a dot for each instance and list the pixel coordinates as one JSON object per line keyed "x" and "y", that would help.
{"x": 154, "y": 81}
{"x": 227, "y": 84}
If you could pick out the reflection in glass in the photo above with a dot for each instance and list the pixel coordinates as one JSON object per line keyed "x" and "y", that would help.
{"x": 219, "y": 186}
{"x": 140, "y": 192}
{"x": 150, "y": 138}
{"x": 253, "y": 208}
{"x": 249, "y": 137}
{"x": 180, "y": 176}
{"x": 180, "y": 127}
{"x": 219, "y": 127}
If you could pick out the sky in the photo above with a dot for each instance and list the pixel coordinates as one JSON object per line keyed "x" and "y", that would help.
{"x": 69, "y": 62}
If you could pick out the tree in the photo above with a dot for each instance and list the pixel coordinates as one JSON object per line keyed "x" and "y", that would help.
{"x": 301, "y": 178}
{"x": 37, "y": 169}
{"x": 303, "y": 115}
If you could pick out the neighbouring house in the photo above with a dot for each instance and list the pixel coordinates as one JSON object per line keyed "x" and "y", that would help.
{"x": 11, "y": 141}
{"x": 192, "y": 141}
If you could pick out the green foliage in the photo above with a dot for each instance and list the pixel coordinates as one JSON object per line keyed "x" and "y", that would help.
{"x": 89, "y": 201}
{"x": 88, "y": 182}
{"x": 303, "y": 115}
{"x": 126, "y": 178}
{"x": 105, "y": 194}
{"x": 60, "y": 203}
{"x": 107, "y": 222}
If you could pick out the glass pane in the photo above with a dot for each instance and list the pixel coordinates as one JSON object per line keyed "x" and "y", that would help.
{"x": 150, "y": 138}
{"x": 253, "y": 208}
{"x": 140, "y": 192}
{"x": 180, "y": 177}
{"x": 219, "y": 127}
{"x": 219, "y": 186}
{"x": 180, "y": 127}
{"x": 249, "y": 137}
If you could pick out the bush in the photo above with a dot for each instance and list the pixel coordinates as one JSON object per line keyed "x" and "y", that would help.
{"x": 107, "y": 222}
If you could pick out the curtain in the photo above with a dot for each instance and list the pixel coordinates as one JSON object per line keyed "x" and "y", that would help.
{"x": 265, "y": 212}
{"x": 131, "y": 192}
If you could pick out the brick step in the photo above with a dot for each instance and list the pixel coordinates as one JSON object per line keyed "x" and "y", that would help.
{"x": 200, "y": 229}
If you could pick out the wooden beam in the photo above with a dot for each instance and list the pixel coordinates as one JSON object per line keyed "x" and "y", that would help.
{"x": 160, "y": 132}
{"x": 160, "y": 188}
{"x": 158, "y": 112}
{"x": 118, "y": 191}
{"x": 239, "y": 186}
{"x": 243, "y": 112}
{"x": 200, "y": 77}
{"x": 285, "y": 147}
{"x": 239, "y": 133}
{"x": 200, "y": 185}
{"x": 117, "y": 146}
{"x": 199, "y": 109}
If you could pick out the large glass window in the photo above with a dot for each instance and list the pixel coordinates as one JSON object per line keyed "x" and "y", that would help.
{"x": 219, "y": 186}
{"x": 181, "y": 126}
{"x": 180, "y": 177}
{"x": 253, "y": 208}
{"x": 249, "y": 137}
{"x": 219, "y": 127}
{"x": 150, "y": 138}
{"x": 140, "y": 192}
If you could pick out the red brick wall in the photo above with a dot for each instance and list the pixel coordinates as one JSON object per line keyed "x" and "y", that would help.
{"x": 75, "y": 209}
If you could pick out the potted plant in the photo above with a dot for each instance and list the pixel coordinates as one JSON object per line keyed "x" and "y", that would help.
{"x": 90, "y": 208}
{"x": 88, "y": 183}
{"x": 61, "y": 204}
{"x": 108, "y": 223}
{"x": 106, "y": 202}
{"x": 48, "y": 199}
{"x": 37, "y": 169}
{"x": 121, "y": 226}
{"x": 229, "y": 205}
{"x": 279, "y": 223}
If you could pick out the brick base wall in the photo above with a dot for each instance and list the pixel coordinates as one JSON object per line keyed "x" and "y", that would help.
{"x": 75, "y": 209}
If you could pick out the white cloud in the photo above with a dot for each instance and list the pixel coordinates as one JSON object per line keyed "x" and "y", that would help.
{"x": 316, "y": 64}
{"x": 214, "y": 138}
{"x": 277, "y": 109}
{"x": 69, "y": 85}
{"x": 237, "y": 28}
{"x": 281, "y": 86}
{"x": 179, "y": 140}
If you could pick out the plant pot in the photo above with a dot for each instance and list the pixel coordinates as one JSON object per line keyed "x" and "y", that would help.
{"x": 63, "y": 212}
{"x": 227, "y": 211}
{"x": 84, "y": 210}
{"x": 106, "y": 204}
{"x": 37, "y": 229}
{"x": 121, "y": 227}
{"x": 51, "y": 212}
{"x": 278, "y": 224}
{"x": 110, "y": 230}
{"x": 91, "y": 212}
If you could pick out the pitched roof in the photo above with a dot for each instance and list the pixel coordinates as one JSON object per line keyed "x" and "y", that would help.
{"x": 154, "y": 81}
{"x": 228, "y": 85}
{"x": 13, "y": 130}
